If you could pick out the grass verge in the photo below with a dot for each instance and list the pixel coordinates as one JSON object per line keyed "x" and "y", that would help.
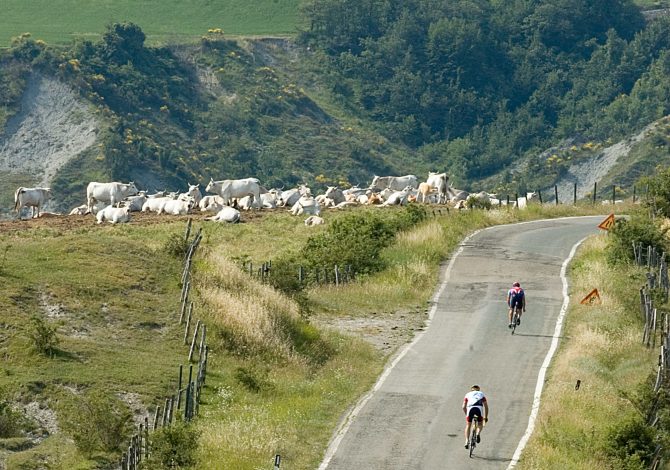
{"x": 602, "y": 347}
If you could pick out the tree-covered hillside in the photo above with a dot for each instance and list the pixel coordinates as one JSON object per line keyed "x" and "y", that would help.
{"x": 370, "y": 86}
{"x": 475, "y": 84}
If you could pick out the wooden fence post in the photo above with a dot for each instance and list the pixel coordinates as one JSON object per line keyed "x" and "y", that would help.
{"x": 574, "y": 196}
{"x": 595, "y": 191}
{"x": 613, "y": 192}
{"x": 634, "y": 189}
{"x": 337, "y": 276}
{"x": 188, "y": 325}
{"x": 195, "y": 335}
{"x": 539, "y": 194}
{"x": 556, "y": 193}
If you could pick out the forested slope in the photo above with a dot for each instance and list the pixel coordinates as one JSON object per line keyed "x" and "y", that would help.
{"x": 369, "y": 87}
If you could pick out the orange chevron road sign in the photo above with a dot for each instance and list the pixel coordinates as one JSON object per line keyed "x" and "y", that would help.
{"x": 608, "y": 223}
{"x": 592, "y": 297}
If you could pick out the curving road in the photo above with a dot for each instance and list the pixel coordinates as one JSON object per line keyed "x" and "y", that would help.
{"x": 412, "y": 419}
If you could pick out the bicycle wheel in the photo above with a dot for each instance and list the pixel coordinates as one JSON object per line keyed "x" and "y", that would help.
{"x": 473, "y": 436}
{"x": 514, "y": 318}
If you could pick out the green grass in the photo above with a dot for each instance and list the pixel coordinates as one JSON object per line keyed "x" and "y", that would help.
{"x": 60, "y": 21}
{"x": 601, "y": 347}
{"x": 119, "y": 293}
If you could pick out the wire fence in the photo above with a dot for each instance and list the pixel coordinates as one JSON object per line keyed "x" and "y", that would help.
{"x": 656, "y": 327}
{"x": 185, "y": 400}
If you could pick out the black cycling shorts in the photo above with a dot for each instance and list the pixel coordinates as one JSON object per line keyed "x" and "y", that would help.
{"x": 474, "y": 411}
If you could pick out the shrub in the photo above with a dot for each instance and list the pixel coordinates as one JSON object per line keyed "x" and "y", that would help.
{"x": 632, "y": 444}
{"x": 96, "y": 421}
{"x": 11, "y": 421}
{"x": 176, "y": 246}
{"x": 173, "y": 447}
{"x": 254, "y": 378}
{"x": 636, "y": 230}
{"x": 45, "y": 339}
{"x": 658, "y": 198}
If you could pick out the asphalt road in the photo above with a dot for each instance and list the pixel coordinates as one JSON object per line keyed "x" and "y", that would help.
{"x": 413, "y": 418}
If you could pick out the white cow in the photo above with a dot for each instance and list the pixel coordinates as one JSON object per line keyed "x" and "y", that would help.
{"x": 314, "y": 220}
{"x": 176, "y": 206}
{"x": 396, "y": 183}
{"x": 227, "y": 214}
{"x": 154, "y": 204}
{"x": 456, "y": 195}
{"x": 290, "y": 197}
{"x": 34, "y": 198}
{"x": 335, "y": 193}
{"x": 398, "y": 198}
{"x": 523, "y": 201}
{"x": 271, "y": 199}
{"x": 230, "y": 189}
{"x": 111, "y": 193}
{"x": 211, "y": 204}
{"x": 248, "y": 203}
{"x": 135, "y": 203}
{"x": 115, "y": 215}
{"x": 439, "y": 181}
{"x": 425, "y": 191}
{"x": 306, "y": 205}
{"x": 193, "y": 191}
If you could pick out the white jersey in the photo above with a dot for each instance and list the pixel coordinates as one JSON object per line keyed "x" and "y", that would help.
{"x": 474, "y": 398}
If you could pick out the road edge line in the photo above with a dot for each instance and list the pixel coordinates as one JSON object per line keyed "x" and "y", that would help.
{"x": 547, "y": 360}
{"x": 335, "y": 442}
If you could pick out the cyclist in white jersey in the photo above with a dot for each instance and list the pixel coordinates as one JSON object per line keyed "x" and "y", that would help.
{"x": 475, "y": 404}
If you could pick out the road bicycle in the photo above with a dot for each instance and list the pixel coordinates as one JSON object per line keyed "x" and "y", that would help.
{"x": 515, "y": 318}
{"x": 473, "y": 434}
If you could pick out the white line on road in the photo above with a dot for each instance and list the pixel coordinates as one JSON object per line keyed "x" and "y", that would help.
{"x": 547, "y": 360}
{"x": 335, "y": 443}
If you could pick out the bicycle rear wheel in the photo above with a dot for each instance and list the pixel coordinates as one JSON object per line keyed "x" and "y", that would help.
{"x": 473, "y": 436}
{"x": 514, "y": 318}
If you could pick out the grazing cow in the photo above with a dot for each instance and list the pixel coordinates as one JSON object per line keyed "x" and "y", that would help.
{"x": 314, "y": 220}
{"x": 460, "y": 204}
{"x": 306, "y": 205}
{"x": 34, "y": 198}
{"x": 439, "y": 181}
{"x": 396, "y": 183}
{"x": 227, "y": 214}
{"x": 176, "y": 206}
{"x": 425, "y": 190}
{"x": 193, "y": 191}
{"x": 115, "y": 215}
{"x": 230, "y": 189}
{"x": 111, "y": 193}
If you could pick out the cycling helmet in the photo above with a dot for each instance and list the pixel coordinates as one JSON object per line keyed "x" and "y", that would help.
{"x": 516, "y": 284}
{"x": 474, "y": 387}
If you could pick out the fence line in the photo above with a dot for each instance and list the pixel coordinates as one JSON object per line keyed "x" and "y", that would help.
{"x": 656, "y": 327}
{"x": 139, "y": 447}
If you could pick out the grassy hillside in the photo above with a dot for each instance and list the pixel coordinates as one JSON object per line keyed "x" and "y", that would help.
{"x": 174, "y": 21}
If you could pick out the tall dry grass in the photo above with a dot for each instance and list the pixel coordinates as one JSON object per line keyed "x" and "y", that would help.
{"x": 249, "y": 313}
{"x": 602, "y": 348}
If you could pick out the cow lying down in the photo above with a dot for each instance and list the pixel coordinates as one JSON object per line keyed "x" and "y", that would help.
{"x": 115, "y": 215}
{"x": 227, "y": 214}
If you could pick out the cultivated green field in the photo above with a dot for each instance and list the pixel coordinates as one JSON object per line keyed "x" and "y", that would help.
{"x": 60, "y": 21}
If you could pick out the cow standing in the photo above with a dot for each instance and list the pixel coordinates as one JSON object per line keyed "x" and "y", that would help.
{"x": 396, "y": 183}
{"x": 235, "y": 189}
{"x": 111, "y": 193}
{"x": 34, "y": 198}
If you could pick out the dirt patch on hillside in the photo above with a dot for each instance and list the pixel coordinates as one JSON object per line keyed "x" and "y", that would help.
{"x": 52, "y": 127}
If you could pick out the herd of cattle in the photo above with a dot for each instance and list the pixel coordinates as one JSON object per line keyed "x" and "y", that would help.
{"x": 113, "y": 202}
